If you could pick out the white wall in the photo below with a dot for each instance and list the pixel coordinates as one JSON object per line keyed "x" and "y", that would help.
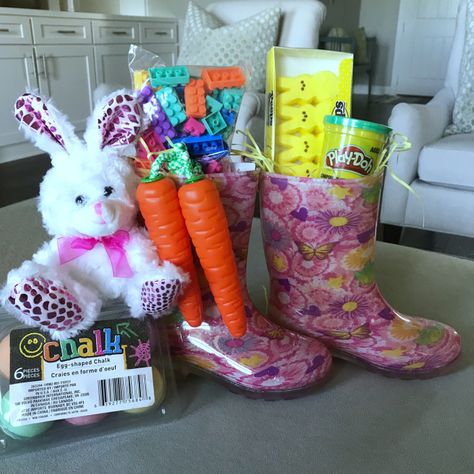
{"x": 380, "y": 18}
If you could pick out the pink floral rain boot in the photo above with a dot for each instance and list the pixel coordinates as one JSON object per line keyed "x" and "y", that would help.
{"x": 269, "y": 361}
{"x": 319, "y": 238}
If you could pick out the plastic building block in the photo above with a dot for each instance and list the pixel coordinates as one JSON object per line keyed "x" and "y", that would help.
{"x": 232, "y": 97}
{"x": 204, "y": 145}
{"x": 227, "y": 132}
{"x": 195, "y": 99}
{"x": 212, "y": 105}
{"x": 306, "y": 88}
{"x": 160, "y": 122}
{"x": 193, "y": 127}
{"x": 214, "y": 123}
{"x": 229, "y": 116}
{"x": 146, "y": 94}
{"x": 168, "y": 76}
{"x": 180, "y": 92}
{"x": 170, "y": 103}
{"x": 152, "y": 142}
{"x": 218, "y": 78}
{"x": 140, "y": 78}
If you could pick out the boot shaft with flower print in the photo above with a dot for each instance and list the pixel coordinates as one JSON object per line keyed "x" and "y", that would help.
{"x": 319, "y": 238}
{"x": 269, "y": 361}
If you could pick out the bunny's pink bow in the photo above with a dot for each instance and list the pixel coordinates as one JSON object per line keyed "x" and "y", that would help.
{"x": 70, "y": 248}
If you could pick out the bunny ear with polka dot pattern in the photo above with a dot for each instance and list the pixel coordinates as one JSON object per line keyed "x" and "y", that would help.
{"x": 116, "y": 121}
{"x": 44, "y": 124}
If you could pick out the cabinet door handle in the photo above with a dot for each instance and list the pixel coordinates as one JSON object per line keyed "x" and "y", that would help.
{"x": 119, "y": 33}
{"x": 45, "y": 67}
{"x": 161, "y": 33}
{"x": 28, "y": 72}
{"x": 67, "y": 32}
{"x": 4, "y": 30}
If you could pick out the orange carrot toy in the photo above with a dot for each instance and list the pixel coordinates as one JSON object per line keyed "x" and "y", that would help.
{"x": 207, "y": 225}
{"x": 158, "y": 200}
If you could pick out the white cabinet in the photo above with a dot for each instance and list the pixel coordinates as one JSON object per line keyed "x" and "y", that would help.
{"x": 14, "y": 30}
{"x": 115, "y": 32}
{"x": 18, "y": 74}
{"x": 67, "y": 73}
{"x": 65, "y": 56}
{"x": 167, "y": 52}
{"x": 111, "y": 63}
{"x": 61, "y": 31}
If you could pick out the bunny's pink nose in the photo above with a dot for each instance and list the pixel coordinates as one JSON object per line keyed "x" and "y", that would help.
{"x": 98, "y": 208}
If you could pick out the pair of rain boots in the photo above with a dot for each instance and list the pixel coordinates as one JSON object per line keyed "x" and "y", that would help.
{"x": 319, "y": 242}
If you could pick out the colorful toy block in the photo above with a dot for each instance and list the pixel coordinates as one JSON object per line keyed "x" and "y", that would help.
{"x": 194, "y": 127}
{"x": 170, "y": 103}
{"x": 195, "y": 98}
{"x": 180, "y": 92}
{"x": 212, "y": 105}
{"x": 152, "y": 143}
{"x": 227, "y": 132}
{"x": 228, "y": 115}
{"x": 214, "y": 123}
{"x": 204, "y": 145}
{"x": 160, "y": 122}
{"x": 219, "y": 78}
{"x": 232, "y": 98}
{"x": 146, "y": 94}
{"x": 168, "y": 76}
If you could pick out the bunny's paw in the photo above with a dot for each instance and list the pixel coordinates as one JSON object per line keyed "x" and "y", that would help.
{"x": 159, "y": 296}
{"x": 45, "y": 303}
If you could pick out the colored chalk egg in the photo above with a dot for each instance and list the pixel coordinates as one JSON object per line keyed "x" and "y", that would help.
{"x": 26, "y": 431}
{"x": 85, "y": 420}
{"x": 159, "y": 387}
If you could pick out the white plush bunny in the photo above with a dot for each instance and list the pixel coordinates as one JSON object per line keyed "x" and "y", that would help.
{"x": 87, "y": 201}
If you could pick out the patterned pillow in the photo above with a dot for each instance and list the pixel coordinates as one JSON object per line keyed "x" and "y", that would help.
{"x": 209, "y": 43}
{"x": 463, "y": 113}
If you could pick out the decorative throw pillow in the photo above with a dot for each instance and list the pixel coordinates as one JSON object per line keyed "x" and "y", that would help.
{"x": 207, "y": 42}
{"x": 463, "y": 113}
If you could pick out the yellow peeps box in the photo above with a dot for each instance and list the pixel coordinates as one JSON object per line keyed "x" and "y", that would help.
{"x": 303, "y": 86}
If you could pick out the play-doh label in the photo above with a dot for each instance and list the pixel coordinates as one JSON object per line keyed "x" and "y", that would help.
{"x": 106, "y": 368}
{"x": 349, "y": 158}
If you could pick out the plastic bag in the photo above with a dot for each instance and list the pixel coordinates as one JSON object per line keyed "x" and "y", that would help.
{"x": 196, "y": 105}
{"x": 113, "y": 376}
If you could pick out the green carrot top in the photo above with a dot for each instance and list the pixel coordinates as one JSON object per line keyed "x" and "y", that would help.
{"x": 178, "y": 162}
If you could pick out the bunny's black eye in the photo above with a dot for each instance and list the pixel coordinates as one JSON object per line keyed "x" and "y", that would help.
{"x": 108, "y": 190}
{"x": 80, "y": 200}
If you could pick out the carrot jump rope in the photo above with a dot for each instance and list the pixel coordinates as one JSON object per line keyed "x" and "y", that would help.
{"x": 198, "y": 202}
